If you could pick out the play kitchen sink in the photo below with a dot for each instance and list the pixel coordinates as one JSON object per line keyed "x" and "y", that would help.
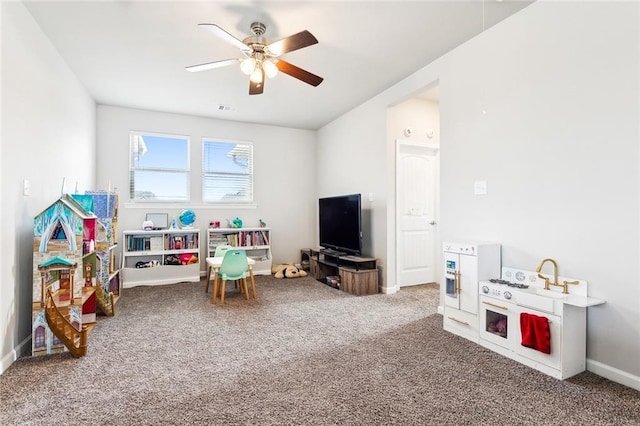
{"x": 536, "y": 301}
{"x": 547, "y": 293}
{"x": 528, "y": 317}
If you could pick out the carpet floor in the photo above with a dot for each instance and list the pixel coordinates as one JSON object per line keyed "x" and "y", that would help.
{"x": 301, "y": 354}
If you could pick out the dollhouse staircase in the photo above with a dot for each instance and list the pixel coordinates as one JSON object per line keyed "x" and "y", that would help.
{"x": 74, "y": 340}
{"x": 106, "y": 303}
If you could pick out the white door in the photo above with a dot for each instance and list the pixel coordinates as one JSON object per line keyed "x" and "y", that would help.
{"x": 416, "y": 173}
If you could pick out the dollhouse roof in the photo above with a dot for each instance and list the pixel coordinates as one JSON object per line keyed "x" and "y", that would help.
{"x": 75, "y": 207}
{"x": 57, "y": 261}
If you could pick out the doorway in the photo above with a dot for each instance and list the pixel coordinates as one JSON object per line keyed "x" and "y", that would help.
{"x": 417, "y": 183}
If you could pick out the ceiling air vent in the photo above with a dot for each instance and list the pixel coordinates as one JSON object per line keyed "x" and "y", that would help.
{"x": 226, "y": 108}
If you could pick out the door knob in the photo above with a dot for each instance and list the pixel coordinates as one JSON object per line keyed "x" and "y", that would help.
{"x": 433, "y": 222}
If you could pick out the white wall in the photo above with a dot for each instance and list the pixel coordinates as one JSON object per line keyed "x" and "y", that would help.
{"x": 418, "y": 115}
{"x": 284, "y": 174}
{"x": 349, "y": 160}
{"x": 558, "y": 145}
{"x": 48, "y": 134}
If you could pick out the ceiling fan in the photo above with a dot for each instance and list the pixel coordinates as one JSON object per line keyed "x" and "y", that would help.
{"x": 262, "y": 57}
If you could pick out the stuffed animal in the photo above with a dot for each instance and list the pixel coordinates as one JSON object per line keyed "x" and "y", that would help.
{"x": 188, "y": 259}
{"x": 149, "y": 264}
{"x": 501, "y": 327}
{"x": 235, "y": 223}
{"x": 287, "y": 270}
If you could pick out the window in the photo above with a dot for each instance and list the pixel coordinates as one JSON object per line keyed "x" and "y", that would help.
{"x": 158, "y": 167}
{"x": 227, "y": 171}
{"x": 40, "y": 338}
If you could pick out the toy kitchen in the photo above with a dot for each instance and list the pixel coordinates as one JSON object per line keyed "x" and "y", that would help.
{"x": 536, "y": 317}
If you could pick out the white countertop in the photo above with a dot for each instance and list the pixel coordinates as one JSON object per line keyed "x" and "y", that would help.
{"x": 568, "y": 299}
{"x": 578, "y": 292}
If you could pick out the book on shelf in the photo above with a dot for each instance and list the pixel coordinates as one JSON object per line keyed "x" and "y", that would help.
{"x": 217, "y": 240}
{"x": 181, "y": 242}
{"x": 238, "y": 238}
{"x": 249, "y": 238}
{"x": 156, "y": 243}
{"x": 232, "y": 240}
{"x": 135, "y": 243}
{"x": 265, "y": 237}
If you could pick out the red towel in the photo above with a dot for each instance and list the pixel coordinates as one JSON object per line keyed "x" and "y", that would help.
{"x": 535, "y": 332}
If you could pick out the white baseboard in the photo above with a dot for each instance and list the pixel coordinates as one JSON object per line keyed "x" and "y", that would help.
{"x": 7, "y": 360}
{"x": 23, "y": 348}
{"x": 613, "y": 374}
{"x": 389, "y": 290}
{"x": 441, "y": 309}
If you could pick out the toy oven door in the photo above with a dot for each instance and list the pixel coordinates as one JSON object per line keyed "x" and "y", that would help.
{"x": 498, "y": 322}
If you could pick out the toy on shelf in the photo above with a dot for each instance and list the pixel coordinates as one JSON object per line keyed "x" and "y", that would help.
{"x": 235, "y": 223}
{"x": 149, "y": 264}
{"x": 188, "y": 259}
{"x": 187, "y": 218}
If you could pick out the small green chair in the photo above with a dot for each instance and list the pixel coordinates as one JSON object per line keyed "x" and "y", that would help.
{"x": 234, "y": 267}
{"x": 220, "y": 251}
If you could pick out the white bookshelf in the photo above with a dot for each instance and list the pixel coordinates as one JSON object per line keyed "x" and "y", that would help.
{"x": 162, "y": 247}
{"x": 256, "y": 242}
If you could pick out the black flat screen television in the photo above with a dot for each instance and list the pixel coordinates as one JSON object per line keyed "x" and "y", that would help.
{"x": 340, "y": 220}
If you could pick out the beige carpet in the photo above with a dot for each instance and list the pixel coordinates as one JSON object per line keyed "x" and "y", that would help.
{"x": 303, "y": 353}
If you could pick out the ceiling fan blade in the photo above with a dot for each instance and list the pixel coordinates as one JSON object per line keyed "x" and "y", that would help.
{"x": 219, "y": 32}
{"x": 291, "y": 43}
{"x": 211, "y": 65}
{"x": 256, "y": 88}
{"x": 298, "y": 73}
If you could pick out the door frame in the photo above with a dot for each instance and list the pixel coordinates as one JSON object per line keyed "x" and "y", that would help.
{"x": 427, "y": 148}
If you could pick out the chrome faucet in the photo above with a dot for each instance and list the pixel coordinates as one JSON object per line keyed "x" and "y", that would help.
{"x": 555, "y": 273}
{"x": 564, "y": 285}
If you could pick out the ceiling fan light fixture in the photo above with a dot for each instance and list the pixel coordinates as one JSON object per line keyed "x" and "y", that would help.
{"x": 248, "y": 65}
{"x": 261, "y": 56}
{"x": 270, "y": 68}
{"x": 256, "y": 75}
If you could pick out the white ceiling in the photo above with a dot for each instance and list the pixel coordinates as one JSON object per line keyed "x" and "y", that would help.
{"x": 134, "y": 53}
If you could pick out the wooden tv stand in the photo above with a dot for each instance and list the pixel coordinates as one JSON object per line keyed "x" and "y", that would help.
{"x": 357, "y": 275}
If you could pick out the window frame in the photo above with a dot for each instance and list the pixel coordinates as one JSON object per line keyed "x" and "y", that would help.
{"x": 250, "y": 145}
{"x": 186, "y": 172}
